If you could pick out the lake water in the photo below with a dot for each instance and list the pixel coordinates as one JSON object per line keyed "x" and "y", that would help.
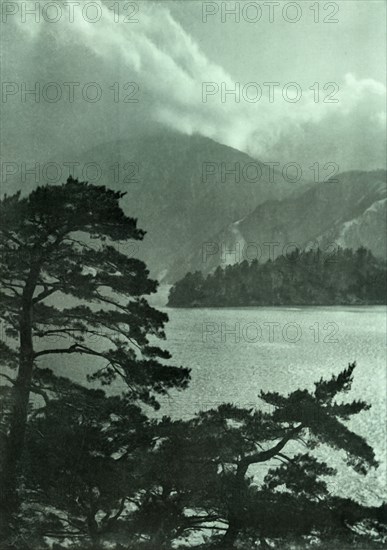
{"x": 235, "y": 353}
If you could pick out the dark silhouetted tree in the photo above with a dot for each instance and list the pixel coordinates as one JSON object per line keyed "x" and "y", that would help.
{"x": 201, "y": 468}
{"x": 58, "y": 245}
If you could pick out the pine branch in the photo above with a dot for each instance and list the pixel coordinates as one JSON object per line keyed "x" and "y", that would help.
{"x": 75, "y": 348}
{"x": 46, "y": 293}
{"x": 263, "y": 456}
{"x": 13, "y": 382}
{"x": 40, "y": 391}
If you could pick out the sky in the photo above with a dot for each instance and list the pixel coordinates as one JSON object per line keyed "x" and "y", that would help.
{"x": 170, "y": 51}
{"x": 302, "y": 51}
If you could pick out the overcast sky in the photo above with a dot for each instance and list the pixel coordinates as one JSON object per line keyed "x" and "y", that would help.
{"x": 303, "y": 51}
{"x": 171, "y": 51}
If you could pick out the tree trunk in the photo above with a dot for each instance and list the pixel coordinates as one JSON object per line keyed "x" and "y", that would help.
{"x": 237, "y": 493}
{"x": 95, "y": 535}
{"x": 159, "y": 540}
{"x": 231, "y": 535}
{"x": 18, "y": 419}
{"x": 235, "y": 507}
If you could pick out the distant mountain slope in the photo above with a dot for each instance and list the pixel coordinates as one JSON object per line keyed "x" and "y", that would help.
{"x": 368, "y": 230}
{"x": 184, "y": 192}
{"x": 349, "y": 212}
{"x": 180, "y": 196}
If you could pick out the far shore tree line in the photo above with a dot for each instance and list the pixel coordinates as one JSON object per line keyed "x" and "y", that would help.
{"x": 84, "y": 468}
{"x": 350, "y": 277}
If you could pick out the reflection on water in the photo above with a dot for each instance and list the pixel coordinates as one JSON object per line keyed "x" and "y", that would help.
{"x": 236, "y": 353}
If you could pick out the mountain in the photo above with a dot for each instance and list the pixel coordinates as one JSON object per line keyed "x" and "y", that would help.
{"x": 186, "y": 195}
{"x": 178, "y": 189}
{"x": 347, "y": 212}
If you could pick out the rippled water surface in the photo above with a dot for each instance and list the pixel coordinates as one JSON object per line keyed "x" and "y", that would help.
{"x": 235, "y": 353}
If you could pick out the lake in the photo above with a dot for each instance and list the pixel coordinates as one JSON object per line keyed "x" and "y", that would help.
{"x": 235, "y": 353}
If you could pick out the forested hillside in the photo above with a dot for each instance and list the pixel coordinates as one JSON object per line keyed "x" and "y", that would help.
{"x": 346, "y": 277}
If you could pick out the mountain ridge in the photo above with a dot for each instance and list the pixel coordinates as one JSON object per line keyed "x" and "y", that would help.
{"x": 191, "y": 192}
{"x": 347, "y": 212}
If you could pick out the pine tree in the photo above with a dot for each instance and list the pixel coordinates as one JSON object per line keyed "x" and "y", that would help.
{"x": 221, "y": 446}
{"x": 61, "y": 242}
{"x": 82, "y": 466}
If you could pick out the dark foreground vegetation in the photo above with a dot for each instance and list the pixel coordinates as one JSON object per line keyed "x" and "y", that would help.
{"x": 345, "y": 277}
{"x": 85, "y": 468}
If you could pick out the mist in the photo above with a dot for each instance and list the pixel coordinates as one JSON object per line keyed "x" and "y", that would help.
{"x": 150, "y": 74}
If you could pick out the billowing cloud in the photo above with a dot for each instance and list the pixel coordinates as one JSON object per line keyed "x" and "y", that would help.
{"x": 169, "y": 71}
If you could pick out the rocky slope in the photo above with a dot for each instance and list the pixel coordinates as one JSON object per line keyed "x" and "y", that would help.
{"x": 349, "y": 212}
{"x": 180, "y": 191}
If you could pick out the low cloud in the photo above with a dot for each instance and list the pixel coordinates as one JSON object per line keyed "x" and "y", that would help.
{"x": 169, "y": 67}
